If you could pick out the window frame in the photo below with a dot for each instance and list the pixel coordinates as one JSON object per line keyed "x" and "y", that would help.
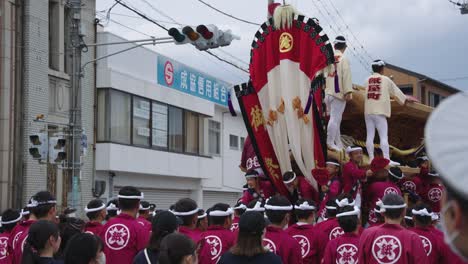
{"x": 107, "y": 123}
{"x": 218, "y": 130}
{"x": 231, "y": 147}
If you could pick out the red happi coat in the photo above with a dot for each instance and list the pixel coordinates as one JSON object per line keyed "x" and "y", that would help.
{"x": 431, "y": 194}
{"x": 215, "y": 241}
{"x": 376, "y": 191}
{"x": 17, "y": 239}
{"x": 193, "y": 234}
{"x": 123, "y": 238}
{"x": 266, "y": 191}
{"x": 391, "y": 243}
{"x": 283, "y": 245}
{"x": 5, "y": 257}
{"x": 310, "y": 240}
{"x": 448, "y": 256}
{"x": 432, "y": 243}
{"x": 306, "y": 191}
{"x": 343, "y": 249}
{"x": 144, "y": 222}
{"x": 334, "y": 189}
{"x": 352, "y": 177}
{"x": 410, "y": 184}
{"x": 235, "y": 224}
{"x": 93, "y": 227}
{"x": 249, "y": 159}
{"x": 331, "y": 228}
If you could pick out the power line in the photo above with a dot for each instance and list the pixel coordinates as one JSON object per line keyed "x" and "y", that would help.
{"x": 349, "y": 29}
{"x": 140, "y": 18}
{"x": 165, "y": 28}
{"x": 127, "y": 27}
{"x": 229, "y": 15}
{"x": 352, "y": 49}
{"x": 159, "y": 11}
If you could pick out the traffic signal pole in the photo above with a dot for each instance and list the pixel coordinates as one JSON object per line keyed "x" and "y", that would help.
{"x": 76, "y": 43}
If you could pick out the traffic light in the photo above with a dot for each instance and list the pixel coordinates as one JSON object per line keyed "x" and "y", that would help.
{"x": 204, "y": 37}
{"x": 57, "y": 153}
{"x": 38, "y": 146}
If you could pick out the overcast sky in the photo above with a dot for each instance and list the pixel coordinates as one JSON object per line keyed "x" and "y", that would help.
{"x": 426, "y": 36}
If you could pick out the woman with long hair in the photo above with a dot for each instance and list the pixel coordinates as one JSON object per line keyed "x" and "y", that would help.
{"x": 42, "y": 243}
{"x": 177, "y": 249}
{"x": 84, "y": 248}
{"x": 163, "y": 224}
{"x": 249, "y": 247}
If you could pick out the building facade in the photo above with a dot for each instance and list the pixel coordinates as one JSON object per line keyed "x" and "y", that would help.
{"x": 38, "y": 83}
{"x": 427, "y": 90}
{"x": 165, "y": 128}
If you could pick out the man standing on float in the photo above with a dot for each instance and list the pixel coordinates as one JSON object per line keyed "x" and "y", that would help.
{"x": 339, "y": 89}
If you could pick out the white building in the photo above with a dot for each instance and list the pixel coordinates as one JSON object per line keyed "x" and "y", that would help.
{"x": 165, "y": 128}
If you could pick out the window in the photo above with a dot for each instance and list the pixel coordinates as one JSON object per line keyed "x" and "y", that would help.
{"x": 159, "y": 125}
{"x": 242, "y": 143}
{"x": 133, "y": 120}
{"x": 119, "y": 117}
{"x": 434, "y": 99}
{"x": 176, "y": 129}
{"x": 191, "y": 132}
{"x": 214, "y": 136}
{"x": 141, "y": 121}
{"x": 408, "y": 89}
{"x": 234, "y": 142}
{"x": 54, "y": 32}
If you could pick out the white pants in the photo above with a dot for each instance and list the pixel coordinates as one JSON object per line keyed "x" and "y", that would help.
{"x": 378, "y": 122}
{"x": 335, "y": 107}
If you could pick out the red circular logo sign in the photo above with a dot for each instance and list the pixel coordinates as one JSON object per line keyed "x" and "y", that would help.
{"x": 169, "y": 73}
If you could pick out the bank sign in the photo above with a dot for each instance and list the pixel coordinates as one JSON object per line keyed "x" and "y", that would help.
{"x": 177, "y": 76}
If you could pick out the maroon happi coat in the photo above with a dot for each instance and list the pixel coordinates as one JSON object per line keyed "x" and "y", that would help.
{"x": 215, "y": 241}
{"x": 283, "y": 245}
{"x": 93, "y": 227}
{"x": 311, "y": 242}
{"x": 5, "y": 257}
{"x": 17, "y": 239}
{"x": 235, "y": 224}
{"x": 193, "y": 234}
{"x": 343, "y": 249}
{"x": 330, "y": 228}
{"x": 433, "y": 244}
{"x": 123, "y": 238}
{"x": 375, "y": 192}
{"x": 352, "y": 177}
{"x": 144, "y": 222}
{"x": 391, "y": 244}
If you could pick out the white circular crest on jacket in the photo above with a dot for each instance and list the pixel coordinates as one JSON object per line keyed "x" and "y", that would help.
{"x": 390, "y": 190}
{"x": 304, "y": 243}
{"x": 336, "y": 233}
{"x": 386, "y": 249}
{"x": 270, "y": 245}
{"x": 216, "y": 246}
{"x": 426, "y": 244}
{"x": 434, "y": 194}
{"x": 347, "y": 254}
{"x": 3, "y": 247}
{"x": 117, "y": 236}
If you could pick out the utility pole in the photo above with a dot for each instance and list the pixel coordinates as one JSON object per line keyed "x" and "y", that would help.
{"x": 76, "y": 45}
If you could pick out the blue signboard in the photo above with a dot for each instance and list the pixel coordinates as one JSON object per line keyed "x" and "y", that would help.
{"x": 175, "y": 75}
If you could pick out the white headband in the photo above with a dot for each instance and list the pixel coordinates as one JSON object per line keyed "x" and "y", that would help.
{"x": 397, "y": 206}
{"x": 356, "y": 212}
{"x": 139, "y": 197}
{"x": 402, "y": 175}
{"x": 433, "y": 174}
{"x": 23, "y": 212}
{"x": 305, "y": 206}
{"x": 240, "y": 207}
{"x": 422, "y": 212}
{"x": 12, "y": 221}
{"x": 408, "y": 218}
{"x": 434, "y": 217}
{"x": 425, "y": 158}
{"x": 350, "y": 149}
{"x": 330, "y": 207}
{"x": 112, "y": 207}
{"x": 194, "y": 211}
{"x": 257, "y": 208}
{"x": 339, "y": 41}
{"x": 144, "y": 208}
{"x": 378, "y": 63}
{"x": 344, "y": 202}
{"x": 34, "y": 203}
{"x": 333, "y": 163}
{"x": 291, "y": 180}
{"x": 251, "y": 175}
{"x": 202, "y": 216}
{"x": 221, "y": 213}
{"x": 90, "y": 210}
{"x": 278, "y": 208}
